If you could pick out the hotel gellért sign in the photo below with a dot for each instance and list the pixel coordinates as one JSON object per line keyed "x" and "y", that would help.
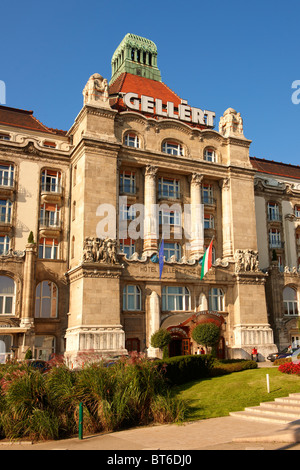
{"x": 147, "y": 104}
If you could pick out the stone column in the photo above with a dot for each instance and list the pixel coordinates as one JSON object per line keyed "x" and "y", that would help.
{"x": 27, "y": 319}
{"x": 150, "y": 216}
{"x": 196, "y": 218}
{"x": 226, "y": 218}
{"x": 153, "y": 322}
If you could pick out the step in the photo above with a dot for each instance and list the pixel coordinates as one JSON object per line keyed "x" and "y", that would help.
{"x": 271, "y": 418}
{"x": 280, "y": 412}
{"x": 277, "y": 405}
{"x": 288, "y": 401}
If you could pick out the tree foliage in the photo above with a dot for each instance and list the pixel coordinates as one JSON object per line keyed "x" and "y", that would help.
{"x": 160, "y": 338}
{"x": 207, "y": 334}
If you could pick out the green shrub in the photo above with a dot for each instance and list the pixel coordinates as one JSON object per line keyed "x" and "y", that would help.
{"x": 161, "y": 339}
{"x": 182, "y": 369}
{"x": 227, "y": 366}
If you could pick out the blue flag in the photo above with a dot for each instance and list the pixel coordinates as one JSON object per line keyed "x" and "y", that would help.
{"x": 161, "y": 257}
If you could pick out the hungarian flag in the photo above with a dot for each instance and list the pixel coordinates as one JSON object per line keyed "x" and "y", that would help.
{"x": 206, "y": 260}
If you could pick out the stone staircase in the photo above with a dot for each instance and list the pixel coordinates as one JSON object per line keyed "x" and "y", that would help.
{"x": 281, "y": 411}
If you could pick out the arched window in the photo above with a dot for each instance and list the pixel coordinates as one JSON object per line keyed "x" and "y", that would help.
{"x": 46, "y": 300}
{"x": 172, "y": 148}
{"x": 176, "y": 298}
{"x": 132, "y": 298}
{"x": 132, "y": 140}
{"x": 210, "y": 155}
{"x": 290, "y": 304}
{"x": 7, "y": 295}
{"x": 216, "y": 299}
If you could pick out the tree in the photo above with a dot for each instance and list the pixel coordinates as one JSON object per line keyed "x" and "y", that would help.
{"x": 30, "y": 238}
{"x": 207, "y": 334}
{"x": 161, "y": 339}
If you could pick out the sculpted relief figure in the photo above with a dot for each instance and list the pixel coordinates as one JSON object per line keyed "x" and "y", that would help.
{"x": 95, "y": 91}
{"x": 231, "y": 123}
{"x": 98, "y": 250}
{"x": 246, "y": 261}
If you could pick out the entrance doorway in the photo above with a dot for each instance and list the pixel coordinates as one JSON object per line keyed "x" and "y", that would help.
{"x": 179, "y": 347}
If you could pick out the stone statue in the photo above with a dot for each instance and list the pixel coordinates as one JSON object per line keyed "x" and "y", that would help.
{"x": 98, "y": 250}
{"x": 231, "y": 123}
{"x": 246, "y": 261}
{"x": 95, "y": 91}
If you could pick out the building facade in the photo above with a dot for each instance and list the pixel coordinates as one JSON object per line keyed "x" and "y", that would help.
{"x": 84, "y": 213}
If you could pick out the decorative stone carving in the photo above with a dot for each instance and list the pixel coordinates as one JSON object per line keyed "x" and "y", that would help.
{"x": 246, "y": 261}
{"x": 98, "y": 250}
{"x": 95, "y": 91}
{"x": 196, "y": 179}
{"x": 231, "y": 123}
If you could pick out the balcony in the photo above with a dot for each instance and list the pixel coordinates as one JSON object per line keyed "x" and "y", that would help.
{"x": 49, "y": 227}
{"x": 7, "y": 187}
{"x": 274, "y": 218}
{"x": 208, "y": 200}
{"x": 51, "y": 193}
{"x": 5, "y": 223}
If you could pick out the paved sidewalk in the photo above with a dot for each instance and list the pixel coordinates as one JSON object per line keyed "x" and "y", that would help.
{"x": 227, "y": 433}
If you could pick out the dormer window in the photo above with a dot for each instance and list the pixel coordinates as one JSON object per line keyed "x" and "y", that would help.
{"x": 210, "y": 155}
{"x": 4, "y": 136}
{"x": 172, "y": 148}
{"x": 132, "y": 140}
{"x": 49, "y": 144}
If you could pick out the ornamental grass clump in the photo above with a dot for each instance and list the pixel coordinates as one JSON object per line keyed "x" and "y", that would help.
{"x": 130, "y": 392}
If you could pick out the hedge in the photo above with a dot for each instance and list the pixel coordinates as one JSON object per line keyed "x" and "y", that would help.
{"x": 182, "y": 369}
{"x": 227, "y": 366}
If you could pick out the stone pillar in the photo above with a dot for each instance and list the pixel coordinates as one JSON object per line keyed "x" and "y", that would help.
{"x": 196, "y": 218}
{"x": 153, "y": 322}
{"x": 27, "y": 319}
{"x": 226, "y": 218}
{"x": 151, "y": 216}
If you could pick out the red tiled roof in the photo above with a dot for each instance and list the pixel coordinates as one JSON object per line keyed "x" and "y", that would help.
{"x": 127, "y": 82}
{"x": 21, "y": 118}
{"x": 275, "y": 168}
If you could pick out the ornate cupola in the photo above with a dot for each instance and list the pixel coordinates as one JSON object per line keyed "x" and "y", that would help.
{"x": 135, "y": 55}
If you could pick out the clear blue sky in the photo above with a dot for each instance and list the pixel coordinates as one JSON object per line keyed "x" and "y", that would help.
{"x": 215, "y": 54}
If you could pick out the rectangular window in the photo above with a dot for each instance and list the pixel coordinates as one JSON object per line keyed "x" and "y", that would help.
{"x": 49, "y": 215}
{"x": 168, "y": 188}
{"x": 273, "y": 211}
{"x": 127, "y": 182}
{"x": 51, "y": 181}
{"x": 127, "y": 212}
{"x": 6, "y": 175}
{"x": 48, "y": 248}
{"x": 209, "y": 221}
{"x": 127, "y": 246}
{"x": 4, "y": 245}
{"x": 5, "y": 211}
{"x": 169, "y": 217}
{"x": 207, "y": 194}
{"x": 171, "y": 249}
{"x": 275, "y": 239}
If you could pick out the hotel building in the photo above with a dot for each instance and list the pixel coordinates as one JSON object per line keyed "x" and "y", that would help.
{"x": 84, "y": 211}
